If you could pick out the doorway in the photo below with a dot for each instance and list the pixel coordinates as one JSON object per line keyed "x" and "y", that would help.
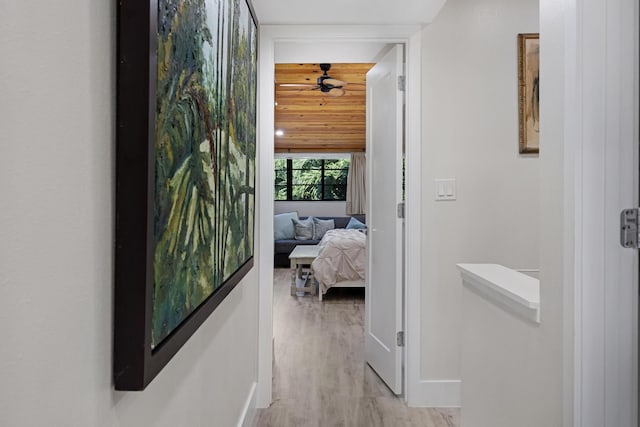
{"x": 271, "y": 36}
{"x": 314, "y": 123}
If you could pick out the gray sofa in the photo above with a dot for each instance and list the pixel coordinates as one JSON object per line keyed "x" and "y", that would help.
{"x": 282, "y": 248}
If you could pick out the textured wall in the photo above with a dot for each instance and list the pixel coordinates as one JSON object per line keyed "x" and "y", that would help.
{"x": 57, "y": 116}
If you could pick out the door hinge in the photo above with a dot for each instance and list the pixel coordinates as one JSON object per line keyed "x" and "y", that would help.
{"x": 401, "y": 83}
{"x": 400, "y": 339}
{"x": 629, "y": 228}
{"x": 401, "y": 210}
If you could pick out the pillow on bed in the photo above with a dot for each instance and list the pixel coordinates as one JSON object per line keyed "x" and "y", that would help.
{"x": 283, "y": 227}
{"x": 354, "y": 224}
{"x": 303, "y": 228}
{"x": 321, "y": 226}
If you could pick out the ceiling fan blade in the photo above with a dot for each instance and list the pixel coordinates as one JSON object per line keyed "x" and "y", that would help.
{"x": 294, "y": 85}
{"x": 336, "y": 92}
{"x": 334, "y": 82}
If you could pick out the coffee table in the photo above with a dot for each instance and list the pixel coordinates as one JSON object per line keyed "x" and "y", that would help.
{"x": 301, "y": 258}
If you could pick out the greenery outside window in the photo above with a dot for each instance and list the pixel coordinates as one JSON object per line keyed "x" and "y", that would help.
{"x": 311, "y": 179}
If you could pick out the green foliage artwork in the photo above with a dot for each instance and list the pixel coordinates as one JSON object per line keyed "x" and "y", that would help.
{"x": 205, "y": 145}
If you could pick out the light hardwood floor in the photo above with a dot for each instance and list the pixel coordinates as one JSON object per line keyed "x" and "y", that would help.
{"x": 319, "y": 374}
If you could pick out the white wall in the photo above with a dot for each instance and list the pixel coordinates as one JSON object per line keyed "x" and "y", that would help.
{"x": 312, "y": 208}
{"x": 501, "y": 382}
{"x": 470, "y": 132}
{"x": 57, "y": 118}
{"x": 327, "y": 51}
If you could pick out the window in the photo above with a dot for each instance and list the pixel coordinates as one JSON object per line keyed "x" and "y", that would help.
{"x": 311, "y": 179}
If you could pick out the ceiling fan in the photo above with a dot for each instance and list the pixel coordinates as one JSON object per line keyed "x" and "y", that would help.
{"x": 325, "y": 83}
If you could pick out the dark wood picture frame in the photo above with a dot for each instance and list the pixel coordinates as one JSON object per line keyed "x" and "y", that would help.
{"x": 136, "y": 359}
{"x": 529, "y": 92}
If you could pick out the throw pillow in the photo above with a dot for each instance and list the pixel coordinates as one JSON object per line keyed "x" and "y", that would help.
{"x": 283, "y": 227}
{"x": 321, "y": 226}
{"x": 303, "y": 228}
{"x": 354, "y": 224}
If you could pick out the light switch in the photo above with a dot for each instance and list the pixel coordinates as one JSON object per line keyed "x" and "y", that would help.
{"x": 449, "y": 187}
{"x": 445, "y": 189}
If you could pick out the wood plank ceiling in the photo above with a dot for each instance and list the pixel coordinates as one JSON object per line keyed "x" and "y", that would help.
{"x": 315, "y": 122}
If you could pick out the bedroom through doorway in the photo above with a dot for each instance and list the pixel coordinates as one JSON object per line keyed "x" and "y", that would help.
{"x": 339, "y": 44}
{"x": 317, "y": 136}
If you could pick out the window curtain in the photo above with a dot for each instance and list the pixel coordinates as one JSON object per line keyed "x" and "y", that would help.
{"x": 356, "y": 191}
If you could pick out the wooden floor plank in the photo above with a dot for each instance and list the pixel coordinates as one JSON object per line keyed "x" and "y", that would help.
{"x": 319, "y": 374}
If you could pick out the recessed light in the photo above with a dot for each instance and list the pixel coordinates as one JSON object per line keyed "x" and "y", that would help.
{"x": 279, "y": 132}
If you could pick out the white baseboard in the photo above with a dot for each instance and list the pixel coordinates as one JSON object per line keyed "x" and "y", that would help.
{"x": 249, "y": 408}
{"x": 437, "y": 394}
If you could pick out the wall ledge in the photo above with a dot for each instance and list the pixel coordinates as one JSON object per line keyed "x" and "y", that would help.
{"x": 507, "y": 288}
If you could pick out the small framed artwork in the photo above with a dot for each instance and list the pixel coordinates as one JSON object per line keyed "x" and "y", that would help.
{"x": 185, "y": 173}
{"x": 529, "y": 92}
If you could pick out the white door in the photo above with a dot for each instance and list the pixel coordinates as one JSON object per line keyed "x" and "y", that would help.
{"x": 601, "y": 168}
{"x": 383, "y": 304}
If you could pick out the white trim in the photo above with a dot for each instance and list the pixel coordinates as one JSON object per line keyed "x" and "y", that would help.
{"x": 437, "y": 394}
{"x": 410, "y": 36}
{"x": 349, "y": 33}
{"x": 249, "y": 408}
{"x": 572, "y": 218}
{"x": 413, "y": 214}
{"x": 265, "y": 217}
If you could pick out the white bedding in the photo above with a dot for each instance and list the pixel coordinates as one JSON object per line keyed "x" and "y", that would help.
{"x": 341, "y": 259}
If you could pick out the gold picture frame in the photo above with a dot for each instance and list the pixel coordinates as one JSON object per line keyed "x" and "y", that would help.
{"x": 529, "y": 92}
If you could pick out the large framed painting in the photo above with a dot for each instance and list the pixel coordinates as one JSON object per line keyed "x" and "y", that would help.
{"x": 529, "y": 92}
{"x": 185, "y": 173}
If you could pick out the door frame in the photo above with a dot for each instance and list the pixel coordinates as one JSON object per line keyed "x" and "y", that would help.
{"x": 410, "y": 36}
{"x": 600, "y": 163}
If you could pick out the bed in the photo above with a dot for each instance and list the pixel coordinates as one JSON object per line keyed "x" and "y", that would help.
{"x": 341, "y": 261}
